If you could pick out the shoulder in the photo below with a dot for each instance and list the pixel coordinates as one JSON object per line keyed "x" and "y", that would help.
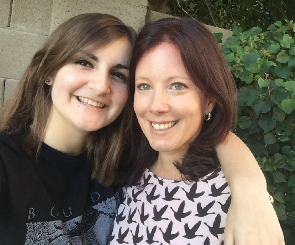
{"x": 9, "y": 140}
{"x": 10, "y": 143}
{"x": 13, "y": 160}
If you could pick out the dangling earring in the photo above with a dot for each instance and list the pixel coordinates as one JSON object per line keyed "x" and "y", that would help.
{"x": 207, "y": 117}
{"x": 47, "y": 81}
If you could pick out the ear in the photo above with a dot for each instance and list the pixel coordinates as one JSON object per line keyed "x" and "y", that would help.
{"x": 49, "y": 81}
{"x": 210, "y": 103}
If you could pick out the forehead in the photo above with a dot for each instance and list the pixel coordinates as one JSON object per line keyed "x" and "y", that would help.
{"x": 118, "y": 49}
{"x": 164, "y": 59}
{"x": 101, "y": 42}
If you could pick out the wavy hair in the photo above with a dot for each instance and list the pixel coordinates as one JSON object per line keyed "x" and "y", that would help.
{"x": 30, "y": 104}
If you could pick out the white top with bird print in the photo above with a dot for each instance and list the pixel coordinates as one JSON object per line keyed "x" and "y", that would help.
{"x": 161, "y": 211}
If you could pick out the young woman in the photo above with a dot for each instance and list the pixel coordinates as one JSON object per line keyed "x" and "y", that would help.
{"x": 185, "y": 104}
{"x": 65, "y": 123}
{"x": 65, "y": 131}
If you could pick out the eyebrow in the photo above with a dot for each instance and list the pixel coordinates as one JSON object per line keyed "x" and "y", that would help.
{"x": 93, "y": 57}
{"x": 90, "y": 55}
{"x": 120, "y": 66}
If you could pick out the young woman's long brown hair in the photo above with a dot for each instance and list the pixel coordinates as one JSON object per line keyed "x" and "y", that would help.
{"x": 30, "y": 104}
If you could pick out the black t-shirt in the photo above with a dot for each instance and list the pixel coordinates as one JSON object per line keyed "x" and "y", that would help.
{"x": 52, "y": 201}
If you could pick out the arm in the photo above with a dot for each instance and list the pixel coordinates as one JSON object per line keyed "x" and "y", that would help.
{"x": 251, "y": 219}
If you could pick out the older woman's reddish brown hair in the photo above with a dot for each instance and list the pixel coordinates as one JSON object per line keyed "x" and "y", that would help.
{"x": 205, "y": 64}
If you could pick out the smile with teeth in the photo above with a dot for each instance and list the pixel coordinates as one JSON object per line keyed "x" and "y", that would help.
{"x": 163, "y": 126}
{"x": 91, "y": 102}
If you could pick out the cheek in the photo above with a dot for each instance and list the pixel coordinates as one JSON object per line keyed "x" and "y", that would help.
{"x": 140, "y": 103}
{"x": 121, "y": 97}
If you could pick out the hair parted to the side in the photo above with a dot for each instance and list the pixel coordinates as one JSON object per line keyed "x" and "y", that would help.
{"x": 31, "y": 102}
{"x": 205, "y": 64}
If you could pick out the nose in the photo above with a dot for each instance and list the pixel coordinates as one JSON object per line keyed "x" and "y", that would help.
{"x": 159, "y": 103}
{"x": 100, "y": 82}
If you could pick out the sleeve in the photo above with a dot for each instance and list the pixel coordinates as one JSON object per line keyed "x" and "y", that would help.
{"x": 6, "y": 234}
{"x": 4, "y": 199}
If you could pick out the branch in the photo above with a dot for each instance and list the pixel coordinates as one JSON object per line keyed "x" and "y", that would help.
{"x": 211, "y": 14}
{"x": 184, "y": 10}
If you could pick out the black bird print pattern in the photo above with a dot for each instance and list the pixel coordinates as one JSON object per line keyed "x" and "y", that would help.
{"x": 136, "y": 237}
{"x": 180, "y": 214}
{"x": 169, "y": 195}
{"x": 120, "y": 216}
{"x": 215, "y": 229}
{"x": 203, "y": 211}
{"x": 191, "y": 233}
{"x": 192, "y": 194}
{"x": 158, "y": 214}
{"x": 150, "y": 235}
{"x": 173, "y": 212}
{"x": 168, "y": 235}
{"x": 122, "y": 236}
{"x": 151, "y": 196}
{"x": 143, "y": 216}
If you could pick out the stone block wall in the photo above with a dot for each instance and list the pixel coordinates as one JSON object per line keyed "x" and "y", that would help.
{"x": 25, "y": 24}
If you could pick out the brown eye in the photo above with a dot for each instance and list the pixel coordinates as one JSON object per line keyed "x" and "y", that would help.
{"x": 119, "y": 75}
{"x": 84, "y": 63}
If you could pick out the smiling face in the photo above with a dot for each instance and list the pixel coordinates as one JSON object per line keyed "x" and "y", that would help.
{"x": 168, "y": 105}
{"x": 90, "y": 91}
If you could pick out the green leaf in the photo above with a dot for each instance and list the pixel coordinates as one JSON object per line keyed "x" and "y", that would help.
{"x": 278, "y": 177}
{"x": 283, "y": 138}
{"x": 291, "y": 181}
{"x": 278, "y": 23}
{"x": 218, "y": 36}
{"x": 282, "y": 57}
{"x": 233, "y": 40}
{"x": 278, "y": 94}
{"x": 272, "y": 27}
{"x": 286, "y": 41}
{"x": 230, "y": 58}
{"x": 286, "y": 149}
{"x": 254, "y": 31}
{"x": 258, "y": 149}
{"x": 270, "y": 63}
{"x": 292, "y": 50}
{"x": 288, "y": 105}
{"x": 284, "y": 128}
{"x": 289, "y": 85}
{"x": 278, "y": 114}
{"x": 278, "y": 158}
{"x": 269, "y": 138}
{"x": 244, "y": 122}
{"x": 247, "y": 79}
{"x": 266, "y": 123}
{"x": 283, "y": 29}
{"x": 237, "y": 30}
{"x": 273, "y": 148}
{"x": 283, "y": 71}
{"x": 262, "y": 107}
{"x": 279, "y": 197}
{"x": 274, "y": 48}
{"x": 279, "y": 82}
{"x": 278, "y": 36}
{"x": 291, "y": 61}
{"x": 280, "y": 211}
{"x": 262, "y": 82}
{"x": 250, "y": 58}
{"x": 247, "y": 96}
{"x": 254, "y": 68}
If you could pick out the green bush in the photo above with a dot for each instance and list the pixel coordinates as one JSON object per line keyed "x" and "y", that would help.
{"x": 263, "y": 65}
